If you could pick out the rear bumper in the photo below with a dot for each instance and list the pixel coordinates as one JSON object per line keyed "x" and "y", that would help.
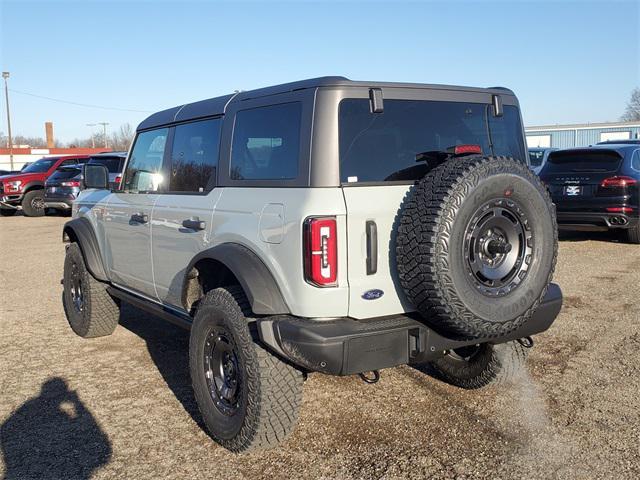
{"x": 59, "y": 201}
{"x": 346, "y": 346}
{"x": 595, "y": 220}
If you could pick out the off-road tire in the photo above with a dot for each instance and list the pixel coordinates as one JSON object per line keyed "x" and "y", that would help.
{"x": 8, "y": 212}
{"x": 495, "y": 365}
{"x": 633, "y": 234}
{"x": 28, "y": 207}
{"x": 433, "y": 223}
{"x": 270, "y": 390}
{"x": 100, "y": 313}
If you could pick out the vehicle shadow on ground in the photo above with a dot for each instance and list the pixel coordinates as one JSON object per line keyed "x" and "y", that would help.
{"x": 168, "y": 347}
{"x": 578, "y": 236}
{"x": 53, "y": 435}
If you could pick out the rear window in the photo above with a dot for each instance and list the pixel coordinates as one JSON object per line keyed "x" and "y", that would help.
{"x": 113, "y": 164}
{"x": 582, "y": 161}
{"x": 64, "y": 173}
{"x": 378, "y": 147}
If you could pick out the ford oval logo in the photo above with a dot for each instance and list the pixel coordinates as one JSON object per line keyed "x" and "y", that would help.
{"x": 372, "y": 294}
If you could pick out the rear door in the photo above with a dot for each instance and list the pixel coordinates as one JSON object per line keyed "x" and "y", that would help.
{"x": 182, "y": 215}
{"x": 378, "y": 166}
{"x": 127, "y": 217}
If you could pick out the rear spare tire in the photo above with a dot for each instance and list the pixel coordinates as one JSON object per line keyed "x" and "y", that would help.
{"x": 477, "y": 245}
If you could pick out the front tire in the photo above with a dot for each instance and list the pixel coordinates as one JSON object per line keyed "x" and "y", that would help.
{"x": 33, "y": 203}
{"x": 248, "y": 398}
{"x": 90, "y": 310}
{"x": 481, "y": 365}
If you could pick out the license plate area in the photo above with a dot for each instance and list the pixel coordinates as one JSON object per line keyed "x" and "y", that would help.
{"x": 572, "y": 190}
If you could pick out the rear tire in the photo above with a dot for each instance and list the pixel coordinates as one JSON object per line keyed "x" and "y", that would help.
{"x": 633, "y": 234}
{"x": 248, "y": 398}
{"x": 33, "y": 203}
{"x": 477, "y": 245}
{"x": 90, "y": 310}
{"x": 479, "y": 366}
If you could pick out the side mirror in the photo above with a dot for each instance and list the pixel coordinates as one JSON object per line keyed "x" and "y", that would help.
{"x": 95, "y": 176}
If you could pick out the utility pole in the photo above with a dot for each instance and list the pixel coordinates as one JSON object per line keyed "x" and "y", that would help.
{"x": 93, "y": 136}
{"x": 5, "y": 75}
{"x": 104, "y": 132}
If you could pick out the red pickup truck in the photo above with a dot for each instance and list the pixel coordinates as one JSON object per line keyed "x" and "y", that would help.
{"x": 26, "y": 188}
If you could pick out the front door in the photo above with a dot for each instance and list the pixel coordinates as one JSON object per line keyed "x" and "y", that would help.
{"x": 182, "y": 216}
{"x": 127, "y": 218}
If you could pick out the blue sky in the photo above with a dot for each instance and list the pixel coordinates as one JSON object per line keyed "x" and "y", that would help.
{"x": 567, "y": 61}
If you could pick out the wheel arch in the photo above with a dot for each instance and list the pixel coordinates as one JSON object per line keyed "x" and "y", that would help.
{"x": 36, "y": 185}
{"x": 235, "y": 263}
{"x": 80, "y": 231}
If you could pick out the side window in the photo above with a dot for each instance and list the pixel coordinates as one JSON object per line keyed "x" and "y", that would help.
{"x": 635, "y": 161}
{"x": 68, "y": 163}
{"x": 144, "y": 170}
{"x": 266, "y": 143}
{"x": 194, "y": 156}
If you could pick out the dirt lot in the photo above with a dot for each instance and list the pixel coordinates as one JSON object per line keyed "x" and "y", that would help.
{"x": 121, "y": 406}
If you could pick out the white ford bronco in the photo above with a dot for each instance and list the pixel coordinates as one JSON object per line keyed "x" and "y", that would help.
{"x": 324, "y": 226}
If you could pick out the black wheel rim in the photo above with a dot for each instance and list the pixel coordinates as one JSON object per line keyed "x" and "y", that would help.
{"x": 37, "y": 203}
{"x": 77, "y": 290}
{"x": 498, "y": 247}
{"x": 222, "y": 371}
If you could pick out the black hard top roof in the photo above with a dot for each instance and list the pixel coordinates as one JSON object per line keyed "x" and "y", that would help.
{"x": 109, "y": 154}
{"x": 218, "y": 105}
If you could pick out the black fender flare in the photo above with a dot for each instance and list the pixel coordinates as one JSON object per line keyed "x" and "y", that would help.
{"x": 81, "y": 231}
{"x": 255, "y": 278}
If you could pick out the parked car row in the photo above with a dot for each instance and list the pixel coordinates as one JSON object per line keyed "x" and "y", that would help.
{"x": 52, "y": 183}
{"x": 594, "y": 188}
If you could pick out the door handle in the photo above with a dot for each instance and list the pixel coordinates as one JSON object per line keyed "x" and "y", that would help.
{"x": 140, "y": 217}
{"x": 194, "y": 223}
{"x": 371, "y": 230}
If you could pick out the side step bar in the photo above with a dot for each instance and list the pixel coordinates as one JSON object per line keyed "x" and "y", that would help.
{"x": 165, "y": 313}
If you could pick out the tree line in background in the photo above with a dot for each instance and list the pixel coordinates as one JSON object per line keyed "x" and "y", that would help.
{"x": 119, "y": 139}
{"x": 632, "y": 112}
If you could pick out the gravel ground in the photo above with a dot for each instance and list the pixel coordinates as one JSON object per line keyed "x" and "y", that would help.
{"x": 122, "y": 406}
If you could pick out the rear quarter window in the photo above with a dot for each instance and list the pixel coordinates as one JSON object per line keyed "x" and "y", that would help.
{"x": 266, "y": 143}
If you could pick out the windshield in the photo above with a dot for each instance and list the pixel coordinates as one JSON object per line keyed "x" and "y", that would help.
{"x": 582, "y": 161}
{"x": 536, "y": 157}
{"x": 113, "y": 164}
{"x": 378, "y": 147}
{"x": 40, "y": 166}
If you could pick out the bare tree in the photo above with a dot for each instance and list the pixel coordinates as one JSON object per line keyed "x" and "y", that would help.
{"x": 632, "y": 112}
{"x": 121, "y": 139}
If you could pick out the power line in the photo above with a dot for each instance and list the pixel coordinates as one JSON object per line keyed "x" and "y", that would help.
{"x": 77, "y": 103}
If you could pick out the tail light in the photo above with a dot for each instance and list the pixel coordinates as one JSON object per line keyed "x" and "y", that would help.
{"x": 118, "y": 179}
{"x": 620, "y": 209}
{"x": 321, "y": 251}
{"x": 465, "y": 149}
{"x": 73, "y": 183}
{"x": 618, "y": 182}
